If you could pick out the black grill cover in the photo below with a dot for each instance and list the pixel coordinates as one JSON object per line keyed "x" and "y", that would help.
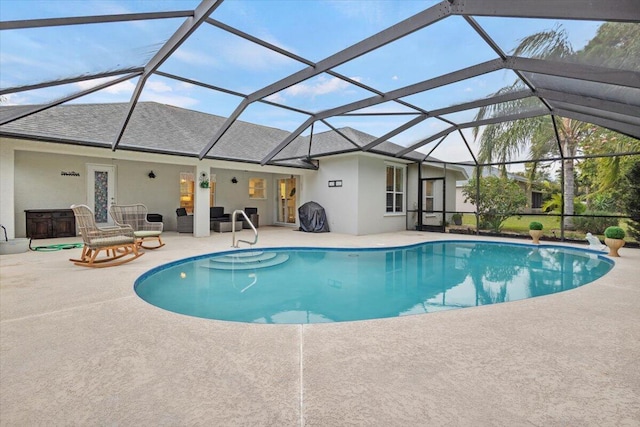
{"x": 313, "y": 218}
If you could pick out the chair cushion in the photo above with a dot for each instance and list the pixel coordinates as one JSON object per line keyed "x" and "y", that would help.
{"x": 147, "y": 233}
{"x": 111, "y": 241}
{"x": 216, "y": 212}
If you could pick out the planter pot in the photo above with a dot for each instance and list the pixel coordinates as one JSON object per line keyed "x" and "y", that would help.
{"x": 614, "y": 245}
{"x": 535, "y": 235}
{"x": 14, "y": 246}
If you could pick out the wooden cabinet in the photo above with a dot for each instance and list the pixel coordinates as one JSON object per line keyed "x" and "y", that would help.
{"x": 50, "y": 223}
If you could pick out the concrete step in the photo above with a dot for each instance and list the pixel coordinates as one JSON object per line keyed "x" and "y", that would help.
{"x": 231, "y": 262}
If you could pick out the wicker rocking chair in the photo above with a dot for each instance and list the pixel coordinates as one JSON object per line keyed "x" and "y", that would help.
{"x": 136, "y": 217}
{"x": 117, "y": 243}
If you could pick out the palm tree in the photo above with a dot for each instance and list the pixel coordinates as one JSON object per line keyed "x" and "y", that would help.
{"x": 503, "y": 141}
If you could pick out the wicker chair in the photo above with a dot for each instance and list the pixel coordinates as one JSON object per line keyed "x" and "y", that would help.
{"x": 136, "y": 217}
{"x": 118, "y": 243}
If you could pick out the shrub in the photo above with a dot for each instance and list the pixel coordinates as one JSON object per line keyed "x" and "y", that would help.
{"x": 535, "y": 225}
{"x": 614, "y": 233}
{"x": 500, "y": 198}
{"x": 594, "y": 224}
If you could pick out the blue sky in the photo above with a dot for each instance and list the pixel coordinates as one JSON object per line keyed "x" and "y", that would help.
{"x": 312, "y": 29}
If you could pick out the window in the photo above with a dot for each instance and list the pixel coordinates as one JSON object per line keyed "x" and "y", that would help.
{"x": 428, "y": 196}
{"x": 186, "y": 191}
{"x": 536, "y": 200}
{"x": 395, "y": 188}
{"x": 257, "y": 188}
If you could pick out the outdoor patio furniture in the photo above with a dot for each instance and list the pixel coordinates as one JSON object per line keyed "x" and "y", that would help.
{"x": 252, "y": 213}
{"x": 136, "y": 216}
{"x": 225, "y": 226}
{"x": 216, "y": 213}
{"x": 117, "y": 243}
{"x": 185, "y": 221}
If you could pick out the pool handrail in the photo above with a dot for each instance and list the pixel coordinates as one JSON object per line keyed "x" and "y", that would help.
{"x": 235, "y": 243}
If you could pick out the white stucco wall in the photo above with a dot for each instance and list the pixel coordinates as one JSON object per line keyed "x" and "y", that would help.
{"x": 7, "y": 215}
{"x": 236, "y": 196}
{"x": 359, "y": 206}
{"x": 31, "y": 179}
{"x": 372, "y": 215}
{"x": 339, "y": 203}
{"x": 461, "y": 205}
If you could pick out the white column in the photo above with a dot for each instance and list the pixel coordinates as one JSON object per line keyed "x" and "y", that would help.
{"x": 201, "y": 204}
{"x": 7, "y": 189}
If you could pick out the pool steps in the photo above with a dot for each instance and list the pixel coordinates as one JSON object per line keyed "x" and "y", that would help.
{"x": 246, "y": 261}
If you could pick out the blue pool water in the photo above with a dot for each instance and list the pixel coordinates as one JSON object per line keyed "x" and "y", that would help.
{"x": 312, "y": 285}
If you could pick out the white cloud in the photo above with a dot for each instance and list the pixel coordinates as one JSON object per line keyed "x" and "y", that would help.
{"x": 194, "y": 58}
{"x": 122, "y": 87}
{"x": 6, "y": 58}
{"x": 276, "y": 97}
{"x": 251, "y": 56}
{"x": 321, "y": 86}
{"x": 184, "y": 86}
{"x": 12, "y": 99}
{"x": 157, "y": 86}
{"x": 178, "y": 101}
{"x": 371, "y": 12}
{"x": 394, "y": 78}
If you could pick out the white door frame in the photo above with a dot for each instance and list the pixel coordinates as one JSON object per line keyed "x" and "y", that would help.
{"x": 92, "y": 168}
{"x": 278, "y": 205}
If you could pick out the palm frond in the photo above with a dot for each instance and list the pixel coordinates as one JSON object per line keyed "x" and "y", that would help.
{"x": 549, "y": 44}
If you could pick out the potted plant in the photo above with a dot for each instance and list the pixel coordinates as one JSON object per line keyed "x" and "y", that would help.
{"x": 535, "y": 231}
{"x": 614, "y": 239}
{"x": 456, "y": 218}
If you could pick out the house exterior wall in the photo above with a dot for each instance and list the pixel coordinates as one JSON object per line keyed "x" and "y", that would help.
{"x": 372, "y": 215}
{"x": 7, "y": 190}
{"x": 41, "y": 175}
{"x": 359, "y": 206}
{"x": 340, "y": 203}
{"x": 236, "y": 196}
{"x": 32, "y": 178}
{"x": 461, "y": 205}
{"x": 40, "y": 185}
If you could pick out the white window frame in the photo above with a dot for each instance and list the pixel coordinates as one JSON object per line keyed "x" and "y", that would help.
{"x": 403, "y": 168}
{"x": 187, "y": 191}
{"x": 264, "y": 189}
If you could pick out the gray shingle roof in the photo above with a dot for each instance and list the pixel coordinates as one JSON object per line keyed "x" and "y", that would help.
{"x": 167, "y": 129}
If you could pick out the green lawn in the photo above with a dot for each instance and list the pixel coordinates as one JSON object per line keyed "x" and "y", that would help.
{"x": 521, "y": 224}
{"x": 550, "y": 225}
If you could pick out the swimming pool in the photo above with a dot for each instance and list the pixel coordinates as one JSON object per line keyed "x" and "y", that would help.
{"x": 315, "y": 285}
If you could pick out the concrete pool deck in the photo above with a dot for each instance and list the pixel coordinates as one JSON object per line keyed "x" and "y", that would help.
{"x": 78, "y": 347}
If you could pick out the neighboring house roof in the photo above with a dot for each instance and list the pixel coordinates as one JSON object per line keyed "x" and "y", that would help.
{"x": 172, "y": 130}
{"x": 488, "y": 171}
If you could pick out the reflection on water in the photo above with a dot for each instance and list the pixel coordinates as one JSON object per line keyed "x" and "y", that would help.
{"x": 314, "y": 286}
